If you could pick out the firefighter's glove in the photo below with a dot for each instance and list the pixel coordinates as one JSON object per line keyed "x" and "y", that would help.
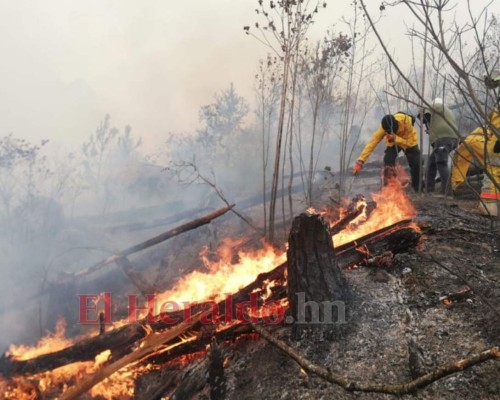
{"x": 391, "y": 137}
{"x": 357, "y": 167}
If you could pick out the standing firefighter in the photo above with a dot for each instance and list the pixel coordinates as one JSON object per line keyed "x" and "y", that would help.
{"x": 399, "y": 133}
{"x": 442, "y": 126}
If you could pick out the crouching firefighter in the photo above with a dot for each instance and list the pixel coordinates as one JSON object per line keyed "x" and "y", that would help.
{"x": 399, "y": 133}
{"x": 490, "y": 194}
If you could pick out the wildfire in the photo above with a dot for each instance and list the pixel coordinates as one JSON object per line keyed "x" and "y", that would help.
{"x": 51, "y": 383}
{"x": 392, "y": 205}
{"x": 226, "y": 275}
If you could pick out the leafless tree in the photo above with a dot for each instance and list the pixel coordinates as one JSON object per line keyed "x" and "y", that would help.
{"x": 283, "y": 30}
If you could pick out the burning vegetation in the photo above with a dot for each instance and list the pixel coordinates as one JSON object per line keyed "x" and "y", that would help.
{"x": 235, "y": 292}
{"x": 234, "y": 288}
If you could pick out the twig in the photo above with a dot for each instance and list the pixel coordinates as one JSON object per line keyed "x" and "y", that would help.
{"x": 353, "y": 385}
{"x": 464, "y": 280}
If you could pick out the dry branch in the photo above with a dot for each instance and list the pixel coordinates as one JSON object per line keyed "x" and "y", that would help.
{"x": 123, "y": 337}
{"x": 127, "y": 335}
{"x": 156, "y": 240}
{"x": 151, "y": 344}
{"x": 353, "y": 385}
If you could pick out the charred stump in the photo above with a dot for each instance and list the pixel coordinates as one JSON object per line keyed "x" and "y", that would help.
{"x": 318, "y": 292}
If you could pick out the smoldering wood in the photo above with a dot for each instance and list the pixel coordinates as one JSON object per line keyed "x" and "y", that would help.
{"x": 314, "y": 276}
{"x": 124, "y": 337}
{"x": 102, "y": 326}
{"x": 149, "y": 345}
{"x": 354, "y": 210}
{"x": 397, "y": 238}
{"x": 216, "y": 376}
{"x": 193, "y": 381}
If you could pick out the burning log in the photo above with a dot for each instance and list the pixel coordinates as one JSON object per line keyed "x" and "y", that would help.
{"x": 397, "y": 238}
{"x": 393, "y": 239}
{"x": 84, "y": 350}
{"x": 216, "y": 376}
{"x": 127, "y": 335}
{"x": 354, "y": 210}
{"x": 315, "y": 282}
{"x": 151, "y": 344}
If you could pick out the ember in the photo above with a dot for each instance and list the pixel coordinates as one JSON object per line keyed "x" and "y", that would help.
{"x": 258, "y": 273}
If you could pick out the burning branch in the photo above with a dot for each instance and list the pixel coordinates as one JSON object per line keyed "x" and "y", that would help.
{"x": 352, "y": 385}
{"x": 151, "y": 344}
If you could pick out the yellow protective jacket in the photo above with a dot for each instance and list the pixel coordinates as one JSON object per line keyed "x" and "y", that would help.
{"x": 494, "y": 117}
{"x": 406, "y": 136}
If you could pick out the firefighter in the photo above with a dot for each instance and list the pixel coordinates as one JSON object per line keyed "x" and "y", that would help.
{"x": 441, "y": 126}
{"x": 489, "y": 192}
{"x": 473, "y": 145}
{"x": 476, "y": 143}
{"x": 399, "y": 133}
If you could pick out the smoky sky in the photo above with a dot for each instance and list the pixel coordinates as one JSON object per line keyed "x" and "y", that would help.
{"x": 150, "y": 64}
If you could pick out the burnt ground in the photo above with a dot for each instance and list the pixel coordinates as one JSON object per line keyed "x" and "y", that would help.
{"x": 396, "y": 304}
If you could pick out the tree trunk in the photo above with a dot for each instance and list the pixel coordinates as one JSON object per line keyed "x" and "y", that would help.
{"x": 318, "y": 293}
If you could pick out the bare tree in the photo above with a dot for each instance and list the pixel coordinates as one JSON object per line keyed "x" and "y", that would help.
{"x": 267, "y": 89}
{"x": 320, "y": 67}
{"x": 284, "y": 28}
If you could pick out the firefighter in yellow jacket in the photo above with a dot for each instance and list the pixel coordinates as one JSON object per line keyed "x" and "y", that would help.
{"x": 490, "y": 192}
{"x": 474, "y": 145}
{"x": 399, "y": 133}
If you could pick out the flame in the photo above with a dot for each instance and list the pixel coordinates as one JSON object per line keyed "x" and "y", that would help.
{"x": 232, "y": 269}
{"x": 48, "y": 344}
{"x": 393, "y": 205}
{"x": 224, "y": 276}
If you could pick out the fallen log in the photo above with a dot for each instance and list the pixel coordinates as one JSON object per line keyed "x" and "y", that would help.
{"x": 127, "y": 335}
{"x": 397, "y": 238}
{"x": 194, "y": 346}
{"x": 150, "y": 344}
{"x": 118, "y": 257}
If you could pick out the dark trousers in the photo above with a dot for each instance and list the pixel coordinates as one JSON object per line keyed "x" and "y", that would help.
{"x": 438, "y": 162}
{"x": 413, "y": 157}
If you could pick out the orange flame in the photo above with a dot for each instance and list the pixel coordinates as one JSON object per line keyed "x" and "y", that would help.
{"x": 224, "y": 275}
{"x": 393, "y": 205}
